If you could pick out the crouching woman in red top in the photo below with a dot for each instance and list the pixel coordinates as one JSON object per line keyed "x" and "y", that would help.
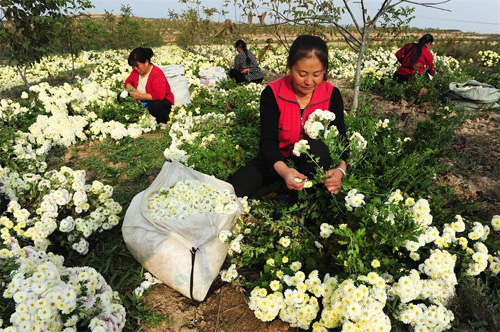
{"x": 285, "y": 105}
{"x": 148, "y": 84}
{"x": 415, "y": 58}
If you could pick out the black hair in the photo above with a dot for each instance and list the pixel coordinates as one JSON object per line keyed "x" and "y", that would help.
{"x": 241, "y": 44}
{"x": 417, "y": 47}
{"x": 305, "y": 46}
{"x": 140, "y": 54}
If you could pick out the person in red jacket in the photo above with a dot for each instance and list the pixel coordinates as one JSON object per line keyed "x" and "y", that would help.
{"x": 148, "y": 84}
{"x": 415, "y": 58}
{"x": 285, "y": 105}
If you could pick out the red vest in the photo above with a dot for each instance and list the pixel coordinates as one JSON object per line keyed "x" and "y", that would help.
{"x": 157, "y": 85}
{"x": 291, "y": 122}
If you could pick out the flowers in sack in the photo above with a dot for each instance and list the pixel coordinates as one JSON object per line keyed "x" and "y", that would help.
{"x": 51, "y": 297}
{"x": 190, "y": 197}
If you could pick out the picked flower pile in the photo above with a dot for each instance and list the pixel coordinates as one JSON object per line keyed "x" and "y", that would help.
{"x": 190, "y": 197}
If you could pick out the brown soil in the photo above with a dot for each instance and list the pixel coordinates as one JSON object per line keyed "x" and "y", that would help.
{"x": 225, "y": 310}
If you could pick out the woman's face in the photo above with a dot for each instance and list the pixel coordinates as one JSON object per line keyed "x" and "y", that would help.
{"x": 307, "y": 74}
{"x": 141, "y": 68}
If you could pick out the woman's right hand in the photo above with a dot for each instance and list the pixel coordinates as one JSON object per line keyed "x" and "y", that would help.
{"x": 294, "y": 180}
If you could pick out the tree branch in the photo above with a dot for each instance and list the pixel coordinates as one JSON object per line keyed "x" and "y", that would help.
{"x": 352, "y": 16}
{"x": 363, "y": 13}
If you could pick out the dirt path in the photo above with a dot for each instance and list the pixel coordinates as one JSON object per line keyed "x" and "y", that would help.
{"x": 225, "y": 310}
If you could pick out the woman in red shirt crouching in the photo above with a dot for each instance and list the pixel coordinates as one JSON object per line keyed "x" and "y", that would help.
{"x": 415, "y": 58}
{"x": 148, "y": 84}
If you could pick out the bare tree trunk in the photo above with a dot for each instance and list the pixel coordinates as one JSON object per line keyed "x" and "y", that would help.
{"x": 23, "y": 76}
{"x": 357, "y": 77}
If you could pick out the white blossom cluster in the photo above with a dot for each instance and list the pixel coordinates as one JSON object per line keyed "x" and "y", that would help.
{"x": 57, "y": 201}
{"x": 423, "y": 317}
{"x": 479, "y": 231}
{"x": 300, "y": 147}
{"x": 488, "y": 58}
{"x": 438, "y": 289}
{"x": 183, "y": 131}
{"x": 10, "y": 110}
{"x": 317, "y": 124}
{"x": 146, "y": 284}
{"x": 357, "y": 142}
{"x": 230, "y": 274}
{"x": 326, "y": 230}
{"x": 49, "y": 65}
{"x": 353, "y": 200}
{"x": 478, "y": 259}
{"x": 298, "y": 305}
{"x": 234, "y": 240}
{"x": 354, "y": 305}
{"x": 64, "y": 129}
{"x": 51, "y": 297}
{"x": 190, "y": 197}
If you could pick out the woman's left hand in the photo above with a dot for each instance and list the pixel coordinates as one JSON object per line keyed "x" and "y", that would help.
{"x": 134, "y": 94}
{"x": 333, "y": 180}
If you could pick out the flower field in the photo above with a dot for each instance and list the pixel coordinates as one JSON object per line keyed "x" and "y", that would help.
{"x": 394, "y": 250}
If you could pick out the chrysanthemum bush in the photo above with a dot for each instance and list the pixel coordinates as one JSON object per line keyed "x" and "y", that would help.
{"x": 217, "y": 132}
{"x": 368, "y": 256}
{"x": 58, "y": 206}
{"x": 40, "y": 294}
{"x": 375, "y": 262}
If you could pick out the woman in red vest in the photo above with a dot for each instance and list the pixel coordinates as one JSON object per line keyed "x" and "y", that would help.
{"x": 148, "y": 84}
{"x": 285, "y": 105}
{"x": 415, "y": 58}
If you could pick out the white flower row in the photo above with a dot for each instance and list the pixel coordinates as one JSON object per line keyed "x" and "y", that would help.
{"x": 51, "y": 297}
{"x": 57, "y": 201}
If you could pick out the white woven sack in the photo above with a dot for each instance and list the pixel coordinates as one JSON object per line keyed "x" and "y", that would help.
{"x": 178, "y": 83}
{"x": 184, "y": 254}
{"x": 211, "y": 75}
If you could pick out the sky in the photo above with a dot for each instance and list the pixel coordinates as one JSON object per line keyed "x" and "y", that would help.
{"x": 481, "y": 16}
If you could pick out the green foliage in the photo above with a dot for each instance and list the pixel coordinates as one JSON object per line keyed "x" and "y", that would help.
{"x": 29, "y": 26}
{"x": 127, "y": 111}
{"x": 6, "y": 266}
{"x": 436, "y": 88}
{"x": 477, "y": 305}
{"x": 108, "y": 32}
{"x": 194, "y": 28}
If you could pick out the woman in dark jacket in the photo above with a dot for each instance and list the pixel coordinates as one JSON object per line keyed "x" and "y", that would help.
{"x": 245, "y": 68}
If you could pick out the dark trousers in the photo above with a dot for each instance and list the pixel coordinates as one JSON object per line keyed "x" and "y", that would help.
{"x": 258, "y": 178}
{"x": 160, "y": 109}
{"x": 240, "y": 78}
{"x": 401, "y": 78}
